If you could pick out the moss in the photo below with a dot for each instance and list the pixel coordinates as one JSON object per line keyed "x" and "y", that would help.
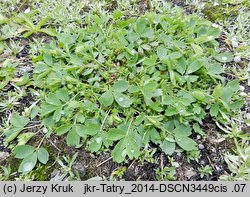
{"x": 220, "y": 12}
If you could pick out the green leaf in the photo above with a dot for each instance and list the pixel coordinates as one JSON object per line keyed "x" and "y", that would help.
{"x": 120, "y": 86}
{"x": 11, "y": 134}
{"x": 149, "y": 91}
{"x": 57, "y": 115}
{"x": 48, "y": 59}
{"x": 119, "y": 153}
{"x": 95, "y": 144}
{"x": 140, "y": 25}
{"x": 182, "y": 131}
{"x": 49, "y": 31}
{"x": 34, "y": 112}
{"x": 91, "y": 129}
{"x": 53, "y": 100}
{"x": 170, "y": 111}
{"x": 122, "y": 100}
{"x": 167, "y": 100}
{"x": 197, "y": 49}
{"x": 194, "y": 66}
{"x": 186, "y": 143}
{"x": 168, "y": 147}
{"x": 28, "y": 163}
{"x": 199, "y": 95}
{"x": 63, "y": 129}
{"x": 18, "y": 121}
{"x": 23, "y": 151}
{"x": 132, "y": 148}
{"x": 218, "y": 91}
{"x": 117, "y": 14}
{"x": 47, "y": 109}
{"x": 116, "y": 134}
{"x": 198, "y": 129}
{"x": 174, "y": 55}
{"x": 80, "y": 129}
{"x": 106, "y": 98}
{"x": 24, "y": 138}
{"x": 215, "y": 68}
{"x": 73, "y": 139}
{"x": 231, "y": 88}
{"x": 62, "y": 94}
{"x": 150, "y": 61}
{"x": 43, "y": 155}
{"x": 236, "y": 105}
{"x": 224, "y": 57}
{"x": 214, "y": 110}
{"x": 162, "y": 52}
{"x": 80, "y": 118}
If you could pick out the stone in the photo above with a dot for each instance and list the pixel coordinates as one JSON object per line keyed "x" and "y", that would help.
{"x": 201, "y": 146}
{"x": 4, "y": 155}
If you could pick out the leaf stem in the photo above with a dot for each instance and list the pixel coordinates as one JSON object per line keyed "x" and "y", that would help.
{"x": 104, "y": 120}
{"x": 129, "y": 127}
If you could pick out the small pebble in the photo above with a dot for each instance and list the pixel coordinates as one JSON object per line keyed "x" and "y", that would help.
{"x": 45, "y": 130}
{"x": 243, "y": 94}
{"x": 179, "y": 154}
{"x": 237, "y": 59}
{"x": 234, "y": 44}
{"x": 242, "y": 88}
{"x": 201, "y": 146}
{"x": 202, "y": 162}
{"x": 27, "y": 11}
{"x": 198, "y": 137}
{"x": 213, "y": 149}
{"x": 176, "y": 164}
{"x": 4, "y": 155}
